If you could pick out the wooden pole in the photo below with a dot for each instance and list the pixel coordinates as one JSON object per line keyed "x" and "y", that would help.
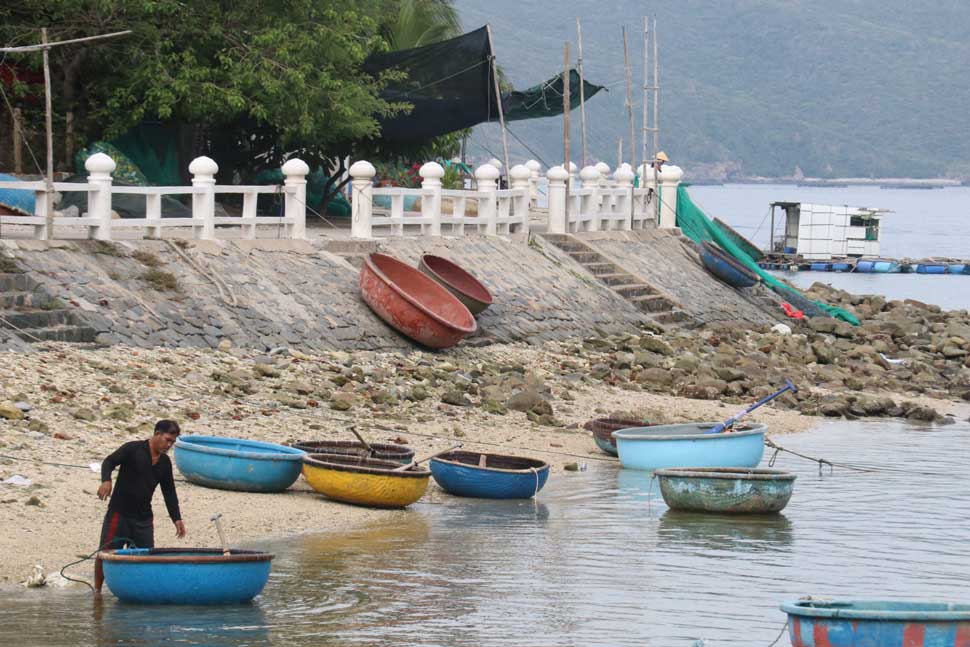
{"x": 771, "y": 232}
{"x": 646, "y": 84}
{"x": 498, "y": 101}
{"x": 49, "y": 195}
{"x": 18, "y": 146}
{"x": 656, "y": 90}
{"x": 582, "y": 88}
{"x": 619, "y": 152}
{"x": 565, "y": 125}
{"x": 629, "y": 99}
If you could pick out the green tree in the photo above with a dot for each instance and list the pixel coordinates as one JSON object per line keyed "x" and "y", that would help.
{"x": 416, "y": 23}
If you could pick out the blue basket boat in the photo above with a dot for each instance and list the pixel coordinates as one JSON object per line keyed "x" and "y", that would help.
{"x": 17, "y": 200}
{"x": 236, "y": 464}
{"x": 874, "y": 623}
{"x": 726, "y": 267}
{"x": 687, "y": 445}
{"x": 185, "y": 575}
{"x": 489, "y": 476}
{"x": 725, "y": 490}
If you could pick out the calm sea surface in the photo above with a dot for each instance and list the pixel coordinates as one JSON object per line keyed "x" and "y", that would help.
{"x": 924, "y": 223}
{"x": 597, "y": 560}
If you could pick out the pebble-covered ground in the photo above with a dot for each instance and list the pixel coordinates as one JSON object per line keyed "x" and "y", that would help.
{"x": 66, "y": 407}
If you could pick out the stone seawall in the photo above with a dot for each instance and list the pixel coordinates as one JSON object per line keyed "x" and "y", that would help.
{"x": 269, "y": 293}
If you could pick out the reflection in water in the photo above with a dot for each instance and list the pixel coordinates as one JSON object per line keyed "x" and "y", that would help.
{"x": 598, "y": 559}
{"x": 116, "y": 623}
{"x": 740, "y": 532}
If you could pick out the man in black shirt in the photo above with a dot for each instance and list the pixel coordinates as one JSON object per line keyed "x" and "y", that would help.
{"x": 144, "y": 465}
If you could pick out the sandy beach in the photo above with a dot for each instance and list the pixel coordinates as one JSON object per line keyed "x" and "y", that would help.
{"x": 85, "y": 403}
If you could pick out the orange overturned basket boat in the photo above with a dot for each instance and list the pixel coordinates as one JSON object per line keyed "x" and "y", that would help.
{"x": 413, "y": 303}
{"x": 458, "y": 281}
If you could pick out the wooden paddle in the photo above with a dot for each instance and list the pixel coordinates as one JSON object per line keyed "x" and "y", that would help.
{"x": 370, "y": 450}
{"x": 404, "y": 468}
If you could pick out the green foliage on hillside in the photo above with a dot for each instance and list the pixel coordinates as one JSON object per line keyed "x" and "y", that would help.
{"x": 835, "y": 87}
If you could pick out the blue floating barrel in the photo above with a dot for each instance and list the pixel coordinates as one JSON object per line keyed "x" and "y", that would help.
{"x": 236, "y": 464}
{"x": 930, "y": 268}
{"x": 884, "y": 267}
{"x": 789, "y": 250}
{"x": 841, "y": 267}
{"x": 957, "y": 268}
{"x": 865, "y": 267}
{"x": 820, "y": 267}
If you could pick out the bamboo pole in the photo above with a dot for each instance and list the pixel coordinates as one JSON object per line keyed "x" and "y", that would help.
{"x": 45, "y": 45}
{"x": 49, "y": 194}
{"x": 646, "y": 85}
{"x": 18, "y": 147}
{"x": 582, "y": 88}
{"x": 619, "y": 152}
{"x": 498, "y": 100}
{"x": 565, "y": 126}
{"x": 656, "y": 89}
{"x": 629, "y": 98}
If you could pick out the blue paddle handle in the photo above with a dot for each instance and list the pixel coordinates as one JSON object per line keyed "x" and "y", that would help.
{"x": 768, "y": 398}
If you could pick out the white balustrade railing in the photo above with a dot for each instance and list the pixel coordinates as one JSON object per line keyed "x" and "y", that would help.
{"x": 383, "y": 211}
{"x": 603, "y": 203}
{"x": 203, "y": 222}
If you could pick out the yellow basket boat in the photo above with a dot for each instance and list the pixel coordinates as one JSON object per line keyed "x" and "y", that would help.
{"x": 365, "y": 481}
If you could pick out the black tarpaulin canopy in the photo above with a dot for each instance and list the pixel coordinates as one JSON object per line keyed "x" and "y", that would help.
{"x": 451, "y": 87}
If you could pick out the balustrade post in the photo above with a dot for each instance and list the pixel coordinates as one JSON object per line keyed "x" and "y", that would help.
{"x": 535, "y": 169}
{"x": 557, "y": 177}
{"x": 521, "y": 180}
{"x": 670, "y": 177}
{"x": 431, "y": 174}
{"x": 624, "y": 180}
{"x": 294, "y": 204}
{"x": 487, "y": 176}
{"x": 203, "y": 170}
{"x": 604, "y": 171}
{"x": 99, "y": 167}
{"x": 362, "y": 201}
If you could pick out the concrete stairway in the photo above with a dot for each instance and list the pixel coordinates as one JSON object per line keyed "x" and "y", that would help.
{"x": 32, "y": 315}
{"x": 641, "y": 294}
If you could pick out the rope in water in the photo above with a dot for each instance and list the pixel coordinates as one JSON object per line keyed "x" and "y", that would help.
{"x": 123, "y": 540}
{"x": 854, "y": 467}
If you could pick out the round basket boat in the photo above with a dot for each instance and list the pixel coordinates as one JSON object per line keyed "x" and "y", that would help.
{"x": 185, "y": 575}
{"x": 365, "y": 481}
{"x": 413, "y": 303}
{"x": 382, "y": 451}
{"x": 603, "y": 428}
{"x": 458, "y": 281}
{"x": 725, "y": 489}
{"x": 236, "y": 464}
{"x": 489, "y": 476}
{"x": 688, "y": 445}
{"x": 877, "y": 623}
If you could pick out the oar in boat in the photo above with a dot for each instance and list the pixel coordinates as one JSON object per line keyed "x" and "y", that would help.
{"x": 404, "y": 468}
{"x": 730, "y": 422}
{"x": 217, "y": 519}
{"x": 370, "y": 450}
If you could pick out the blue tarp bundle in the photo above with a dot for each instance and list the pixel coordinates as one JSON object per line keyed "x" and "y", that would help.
{"x": 18, "y": 200}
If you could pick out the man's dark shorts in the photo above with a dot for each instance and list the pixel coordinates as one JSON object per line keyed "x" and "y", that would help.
{"x": 117, "y": 530}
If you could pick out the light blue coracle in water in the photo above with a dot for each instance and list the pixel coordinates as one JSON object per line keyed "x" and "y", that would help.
{"x": 687, "y": 445}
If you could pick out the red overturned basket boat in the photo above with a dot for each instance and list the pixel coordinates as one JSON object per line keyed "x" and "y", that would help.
{"x": 458, "y": 281}
{"x": 413, "y": 303}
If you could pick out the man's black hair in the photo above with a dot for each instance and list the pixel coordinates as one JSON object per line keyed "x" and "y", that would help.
{"x": 167, "y": 427}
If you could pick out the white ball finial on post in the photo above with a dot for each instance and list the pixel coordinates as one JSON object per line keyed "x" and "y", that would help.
{"x": 362, "y": 175}
{"x": 557, "y": 177}
{"x": 294, "y": 205}
{"x": 99, "y": 167}
{"x": 203, "y": 170}
{"x": 520, "y": 179}
{"x": 431, "y": 174}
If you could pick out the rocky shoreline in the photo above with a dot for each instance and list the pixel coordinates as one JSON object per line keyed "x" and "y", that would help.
{"x": 66, "y": 407}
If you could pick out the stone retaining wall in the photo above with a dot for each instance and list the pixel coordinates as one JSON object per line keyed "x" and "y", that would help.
{"x": 266, "y": 293}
